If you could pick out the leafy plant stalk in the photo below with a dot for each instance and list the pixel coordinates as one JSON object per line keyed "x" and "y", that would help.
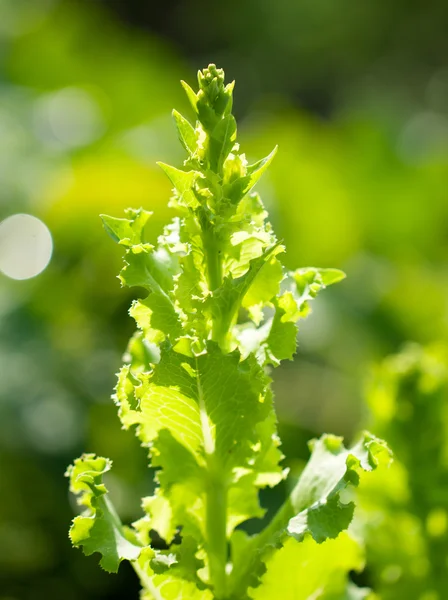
{"x": 220, "y": 310}
{"x": 408, "y": 397}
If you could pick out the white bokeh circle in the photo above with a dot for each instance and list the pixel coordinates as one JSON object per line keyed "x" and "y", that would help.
{"x": 25, "y": 246}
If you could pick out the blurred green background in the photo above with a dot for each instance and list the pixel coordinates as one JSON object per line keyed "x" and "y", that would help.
{"x": 356, "y": 96}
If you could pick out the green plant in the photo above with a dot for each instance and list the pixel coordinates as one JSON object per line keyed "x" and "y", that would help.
{"x": 406, "y": 507}
{"x": 220, "y": 310}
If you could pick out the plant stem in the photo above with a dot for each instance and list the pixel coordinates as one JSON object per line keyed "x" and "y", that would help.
{"x": 269, "y": 537}
{"x": 216, "y": 521}
{"x": 220, "y": 326}
{"x": 213, "y": 258}
{"x": 215, "y": 505}
{"x": 216, "y": 491}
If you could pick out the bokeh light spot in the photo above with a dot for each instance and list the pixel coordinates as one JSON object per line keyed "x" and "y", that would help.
{"x": 69, "y": 118}
{"x": 53, "y": 424}
{"x": 25, "y": 246}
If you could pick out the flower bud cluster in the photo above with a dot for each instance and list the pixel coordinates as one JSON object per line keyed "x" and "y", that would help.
{"x": 214, "y": 99}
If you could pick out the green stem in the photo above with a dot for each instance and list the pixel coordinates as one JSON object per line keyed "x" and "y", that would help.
{"x": 215, "y": 505}
{"x": 219, "y": 335}
{"x": 216, "y": 534}
{"x": 212, "y": 252}
{"x": 216, "y": 491}
{"x": 269, "y": 537}
{"x": 213, "y": 258}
